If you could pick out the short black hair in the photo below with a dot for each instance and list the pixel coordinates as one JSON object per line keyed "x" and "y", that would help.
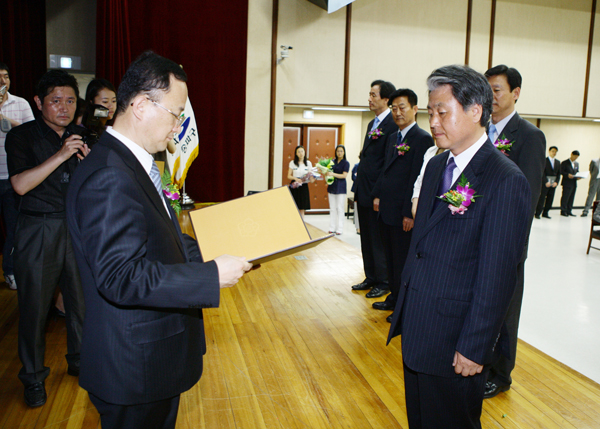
{"x": 4, "y": 67}
{"x": 55, "y": 78}
{"x": 385, "y": 88}
{"x": 553, "y": 147}
{"x": 575, "y": 152}
{"x": 512, "y": 75}
{"x": 150, "y": 74}
{"x": 95, "y": 86}
{"x": 405, "y": 92}
{"x": 468, "y": 87}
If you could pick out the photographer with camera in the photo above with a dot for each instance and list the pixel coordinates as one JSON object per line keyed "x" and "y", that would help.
{"x": 42, "y": 156}
{"x": 14, "y": 111}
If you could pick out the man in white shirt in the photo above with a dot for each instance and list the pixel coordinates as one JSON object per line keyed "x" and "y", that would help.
{"x": 14, "y": 111}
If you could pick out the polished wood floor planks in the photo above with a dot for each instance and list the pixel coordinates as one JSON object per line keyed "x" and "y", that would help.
{"x": 291, "y": 346}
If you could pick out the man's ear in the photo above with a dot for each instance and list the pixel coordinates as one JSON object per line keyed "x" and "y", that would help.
{"x": 138, "y": 106}
{"x": 477, "y": 111}
{"x": 516, "y": 93}
{"x": 38, "y": 102}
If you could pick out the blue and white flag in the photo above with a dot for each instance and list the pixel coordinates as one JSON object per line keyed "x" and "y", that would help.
{"x": 186, "y": 144}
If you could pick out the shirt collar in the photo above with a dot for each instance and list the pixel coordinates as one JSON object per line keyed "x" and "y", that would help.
{"x": 463, "y": 159}
{"x": 405, "y": 131}
{"x": 383, "y": 115}
{"x": 139, "y": 152}
{"x": 501, "y": 124}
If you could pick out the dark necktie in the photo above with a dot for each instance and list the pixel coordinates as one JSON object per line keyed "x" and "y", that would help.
{"x": 447, "y": 177}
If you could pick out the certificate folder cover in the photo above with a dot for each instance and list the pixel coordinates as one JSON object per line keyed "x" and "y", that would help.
{"x": 261, "y": 227}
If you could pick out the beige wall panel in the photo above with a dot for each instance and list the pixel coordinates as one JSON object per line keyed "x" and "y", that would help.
{"x": 568, "y": 136}
{"x": 403, "y": 41}
{"x": 258, "y": 87}
{"x": 314, "y": 72}
{"x": 546, "y": 40}
{"x": 480, "y": 35}
{"x": 593, "y": 102}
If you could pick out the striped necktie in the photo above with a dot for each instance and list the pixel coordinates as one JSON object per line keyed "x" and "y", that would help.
{"x": 155, "y": 177}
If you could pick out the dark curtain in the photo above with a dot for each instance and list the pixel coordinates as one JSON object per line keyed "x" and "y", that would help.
{"x": 209, "y": 38}
{"x": 23, "y": 45}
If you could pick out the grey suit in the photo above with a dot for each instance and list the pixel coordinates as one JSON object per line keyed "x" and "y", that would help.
{"x": 594, "y": 189}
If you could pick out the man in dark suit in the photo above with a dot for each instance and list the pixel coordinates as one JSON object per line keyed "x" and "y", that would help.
{"x": 460, "y": 274}
{"x": 393, "y": 191}
{"x": 372, "y": 158}
{"x": 549, "y": 183}
{"x": 594, "y": 187}
{"x": 568, "y": 169}
{"x": 525, "y": 145}
{"x": 144, "y": 282}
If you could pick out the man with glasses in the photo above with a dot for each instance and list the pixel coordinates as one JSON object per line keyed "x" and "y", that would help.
{"x": 145, "y": 283}
{"x": 42, "y": 156}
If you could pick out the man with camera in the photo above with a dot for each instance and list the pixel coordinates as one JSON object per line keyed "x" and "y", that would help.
{"x": 42, "y": 156}
{"x": 14, "y": 111}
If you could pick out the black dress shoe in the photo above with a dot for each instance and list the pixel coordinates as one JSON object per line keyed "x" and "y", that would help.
{"x": 377, "y": 292}
{"x": 571, "y": 214}
{"x": 35, "y": 394}
{"x": 384, "y": 305}
{"x": 73, "y": 369}
{"x": 492, "y": 389}
{"x": 546, "y": 216}
{"x": 564, "y": 214}
{"x": 389, "y": 318}
{"x": 362, "y": 286}
{"x": 537, "y": 216}
{"x": 584, "y": 214}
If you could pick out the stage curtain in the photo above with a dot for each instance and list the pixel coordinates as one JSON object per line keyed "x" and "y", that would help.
{"x": 209, "y": 39}
{"x": 23, "y": 45}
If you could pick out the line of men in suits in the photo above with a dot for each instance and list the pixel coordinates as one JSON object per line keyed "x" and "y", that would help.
{"x": 419, "y": 260}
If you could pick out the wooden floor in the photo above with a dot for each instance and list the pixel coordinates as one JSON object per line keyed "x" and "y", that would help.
{"x": 292, "y": 347}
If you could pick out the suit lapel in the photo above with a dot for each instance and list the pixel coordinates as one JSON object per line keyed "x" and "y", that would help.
{"x": 394, "y": 153}
{"x": 145, "y": 182}
{"x": 472, "y": 172}
{"x": 511, "y": 129}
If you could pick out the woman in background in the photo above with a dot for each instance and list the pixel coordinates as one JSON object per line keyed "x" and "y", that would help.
{"x": 102, "y": 92}
{"x": 300, "y": 174}
{"x": 337, "y": 191}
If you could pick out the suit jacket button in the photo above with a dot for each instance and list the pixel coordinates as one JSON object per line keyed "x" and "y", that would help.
{"x": 419, "y": 256}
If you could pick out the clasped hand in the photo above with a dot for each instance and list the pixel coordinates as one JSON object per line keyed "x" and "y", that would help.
{"x": 464, "y": 366}
{"x": 73, "y": 144}
{"x": 231, "y": 269}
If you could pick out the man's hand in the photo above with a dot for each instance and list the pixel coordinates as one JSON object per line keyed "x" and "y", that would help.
{"x": 548, "y": 184}
{"x": 231, "y": 269}
{"x": 554, "y": 185}
{"x": 71, "y": 145}
{"x": 407, "y": 224}
{"x": 571, "y": 176}
{"x": 464, "y": 366}
{"x": 376, "y": 204}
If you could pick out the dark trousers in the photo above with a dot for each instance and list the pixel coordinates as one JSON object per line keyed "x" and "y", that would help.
{"x": 593, "y": 194}
{"x": 154, "y": 415}
{"x": 545, "y": 202}
{"x": 396, "y": 243}
{"x": 372, "y": 248}
{"x": 44, "y": 259}
{"x": 501, "y": 369}
{"x": 434, "y": 402}
{"x": 567, "y": 198}
{"x": 9, "y": 212}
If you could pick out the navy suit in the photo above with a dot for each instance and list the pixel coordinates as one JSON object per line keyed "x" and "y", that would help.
{"x": 372, "y": 158}
{"x": 528, "y": 152}
{"x": 460, "y": 273}
{"x": 143, "y": 281}
{"x": 394, "y": 188}
{"x": 547, "y": 193}
{"x": 569, "y": 185}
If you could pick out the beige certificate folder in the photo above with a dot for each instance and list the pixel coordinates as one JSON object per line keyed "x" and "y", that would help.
{"x": 261, "y": 227}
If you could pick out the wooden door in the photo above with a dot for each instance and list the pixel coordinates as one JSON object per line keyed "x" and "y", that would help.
{"x": 321, "y": 143}
{"x": 292, "y": 136}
